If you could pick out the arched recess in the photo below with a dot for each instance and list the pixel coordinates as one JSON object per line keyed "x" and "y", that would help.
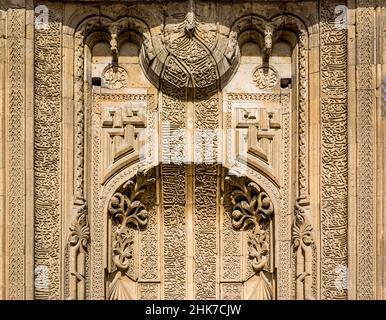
{"x": 267, "y": 107}
{"x": 131, "y": 211}
{"x": 100, "y": 48}
{"x": 143, "y": 209}
{"x": 105, "y": 52}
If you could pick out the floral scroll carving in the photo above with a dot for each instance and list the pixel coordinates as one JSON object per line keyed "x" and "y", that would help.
{"x": 78, "y": 240}
{"x": 264, "y": 79}
{"x": 80, "y": 230}
{"x": 117, "y": 80}
{"x": 127, "y": 212}
{"x": 303, "y": 246}
{"x": 253, "y": 211}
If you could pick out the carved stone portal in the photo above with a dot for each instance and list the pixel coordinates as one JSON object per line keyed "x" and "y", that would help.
{"x": 209, "y": 239}
{"x": 192, "y": 149}
{"x": 189, "y": 240}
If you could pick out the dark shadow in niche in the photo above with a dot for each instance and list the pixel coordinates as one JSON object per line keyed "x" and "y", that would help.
{"x": 96, "y": 81}
{"x": 285, "y": 82}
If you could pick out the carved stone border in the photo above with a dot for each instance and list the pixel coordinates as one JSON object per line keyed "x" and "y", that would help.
{"x": 382, "y": 159}
{"x": 48, "y": 160}
{"x": 366, "y": 131}
{"x": 205, "y": 213}
{"x": 283, "y": 214}
{"x": 381, "y": 204}
{"x": 16, "y": 153}
{"x": 334, "y": 152}
{"x": 101, "y": 194}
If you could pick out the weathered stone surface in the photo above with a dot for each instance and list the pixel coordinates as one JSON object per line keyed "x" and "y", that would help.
{"x": 192, "y": 149}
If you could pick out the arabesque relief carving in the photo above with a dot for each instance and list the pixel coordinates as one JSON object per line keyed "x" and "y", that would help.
{"x": 265, "y": 78}
{"x": 334, "y": 153}
{"x": 79, "y": 237}
{"x": 194, "y": 55}
{"x": 126, "y": 211}
{"x": 303, "y": 244}
{"x": 192, "y": 150}
{"x": 253, "y": 211}
{"x": 115, "y": 77}
{"x": 123, "y": 123}
{"x": 48, "y": 140}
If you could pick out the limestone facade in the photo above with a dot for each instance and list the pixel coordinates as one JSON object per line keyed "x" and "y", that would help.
{"x": 193, "y": 149}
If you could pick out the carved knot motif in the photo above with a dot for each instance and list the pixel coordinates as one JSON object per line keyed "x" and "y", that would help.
{"x": 115, "y": 77}
{"x": 127, "y": 210}
{"x": 252, "y": 210}
{"x": 265, "y": 78}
